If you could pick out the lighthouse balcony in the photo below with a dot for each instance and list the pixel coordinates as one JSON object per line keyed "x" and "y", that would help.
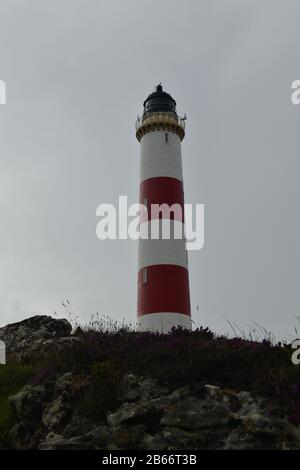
{"x": 169, "y": 122}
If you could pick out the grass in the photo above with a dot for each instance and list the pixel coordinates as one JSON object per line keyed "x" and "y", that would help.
{"x": 107, "y": 352}
{"x": 101, "y": 395}
{"x": 12, "y": 379}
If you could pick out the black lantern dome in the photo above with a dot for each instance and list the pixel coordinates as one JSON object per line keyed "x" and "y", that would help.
{"x": 159, "y": 101}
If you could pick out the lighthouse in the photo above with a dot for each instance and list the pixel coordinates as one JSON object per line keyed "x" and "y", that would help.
{"x": 163, "y": 277}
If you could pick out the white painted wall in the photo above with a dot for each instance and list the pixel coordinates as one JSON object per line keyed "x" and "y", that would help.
{"x": 158, "y": 158}
{"x": 169, "y": 251}
{"x": 163, "y": 322}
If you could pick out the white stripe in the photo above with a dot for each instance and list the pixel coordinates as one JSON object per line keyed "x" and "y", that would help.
{"x": 159, "y": 158}
{"x": 2, "y": 353}
{"x": 163, "y": 322}
{"x": 162, "y": 251}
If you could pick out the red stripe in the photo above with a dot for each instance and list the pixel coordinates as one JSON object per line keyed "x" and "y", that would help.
{"x": 166, "y": 290}
{"x": 162, "y": 190}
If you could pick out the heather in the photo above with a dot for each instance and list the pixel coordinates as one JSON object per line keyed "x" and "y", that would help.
{"x": 180, "y": 358}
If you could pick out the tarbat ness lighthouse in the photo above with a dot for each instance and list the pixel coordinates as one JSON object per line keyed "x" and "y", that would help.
{"x": 163, "y": 277}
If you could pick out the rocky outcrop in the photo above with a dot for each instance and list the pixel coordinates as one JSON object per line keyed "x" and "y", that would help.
{"x": 145, "y": 414}
{"x": 152, "y": 418}
{"x": 36, "y": 337}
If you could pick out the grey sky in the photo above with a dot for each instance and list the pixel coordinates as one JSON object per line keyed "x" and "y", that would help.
{"x": 77, "y": 73}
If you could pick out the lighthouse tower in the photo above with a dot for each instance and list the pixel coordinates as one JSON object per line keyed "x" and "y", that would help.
{"x": 163, "y": 278}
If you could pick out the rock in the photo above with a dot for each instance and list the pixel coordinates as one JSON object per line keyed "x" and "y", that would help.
{"x": 128, "y": 437}
{"x": 26, "y": 435}
{"x": 154, "y": 442}
{"x": 27, "y": 406}
{"x": 189, "y": 439}
{"x": 79, "y": 425}
{"x": 212, "y": 389}
{"x": 100, "y": 437}
{"x": 148, "y": 412}
{"x": 58, "y": 443}
{"x": 35, "y": 336}
{"x": 41, "y": 348}
{"x": 56, "y": 414}
{"x": 63, "y": 385}
{"x": 30, "y": 401}
{"x": 214, "y": 418}
{"x": 133, "y": 388}
{"x": 171, "y": 438}
{"x": 195, "y": 413}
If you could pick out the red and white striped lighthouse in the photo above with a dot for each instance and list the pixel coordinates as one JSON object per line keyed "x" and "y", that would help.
{"x": 163, "y": 278}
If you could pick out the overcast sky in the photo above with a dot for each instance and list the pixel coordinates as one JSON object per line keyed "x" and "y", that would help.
{"x": 77, "y": 73}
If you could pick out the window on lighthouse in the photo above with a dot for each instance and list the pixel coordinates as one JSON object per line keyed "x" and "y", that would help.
{"x": 145, "y": 276}
{"x": 166, "y": 138}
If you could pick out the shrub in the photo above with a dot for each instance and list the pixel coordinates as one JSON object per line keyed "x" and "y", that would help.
{"x": 12, "y": 379}
{"x": 181, "y": 358}
{"x": 100, "y": 396}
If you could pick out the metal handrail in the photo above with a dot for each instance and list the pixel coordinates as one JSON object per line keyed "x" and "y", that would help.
{"x": 157, "y": 116}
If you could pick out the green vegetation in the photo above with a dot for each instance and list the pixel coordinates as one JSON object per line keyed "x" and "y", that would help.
{"x": 103, "y": 356}
{"x": 101, "y": 394}
{"x": 12, "y": 379}
{"x": 178, "y": 359}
